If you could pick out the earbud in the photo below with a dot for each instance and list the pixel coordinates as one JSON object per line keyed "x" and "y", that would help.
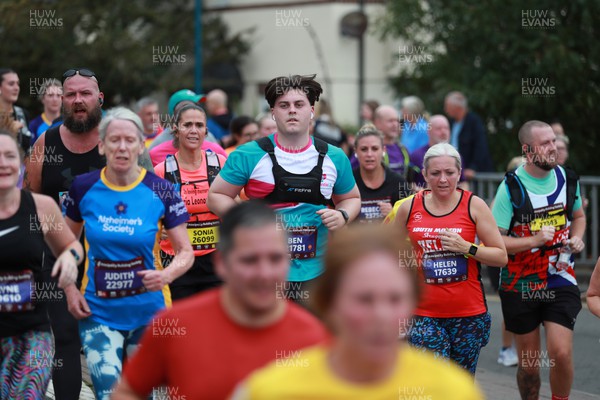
{"x": 272, "y": 117}
{"x": 100, "y": 100}
{"x": 312, "y": 115}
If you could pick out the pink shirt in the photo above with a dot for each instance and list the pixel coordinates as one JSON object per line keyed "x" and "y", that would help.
{"x": 159, "y": 153}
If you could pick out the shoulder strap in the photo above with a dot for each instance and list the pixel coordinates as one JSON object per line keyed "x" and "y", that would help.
{"x": 522, "y": 208}
{"x": 572, "y": 179}
{"x": 405, "y": 160}
{"x": 172, "y": 173}
{"x": 213, "y": 165}
{"x": 322, "y": 148}
{"x": 267, "y": 146}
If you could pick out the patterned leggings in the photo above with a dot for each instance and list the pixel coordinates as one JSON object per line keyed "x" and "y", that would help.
{"x": 457, "y": 339}
{"x": 103, "y": 347}
{"x": 26, "y": 365}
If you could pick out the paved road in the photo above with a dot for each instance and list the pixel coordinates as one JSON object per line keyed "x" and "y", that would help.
{"x": 499, "y": 382}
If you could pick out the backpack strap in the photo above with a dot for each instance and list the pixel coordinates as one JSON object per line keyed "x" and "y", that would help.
{"x": 266, "y": 145}
{"x": 572, "y": 180}
{"x": 213, "y": 165}
{"x": 172, "y": 173}
{"x": 521, "y": 204}
{"x": 321, "y": 147}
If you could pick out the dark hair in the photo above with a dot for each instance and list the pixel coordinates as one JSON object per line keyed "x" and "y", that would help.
{"x": 248, "y": 214}
{"x": 372, "y": 104}
{"x": 238, "y": 124}
{"x": 178, "y": 115}
{"x": 348, "y": 245}
{"x": 4, "y": 71}
{"x": 279, "y": 86}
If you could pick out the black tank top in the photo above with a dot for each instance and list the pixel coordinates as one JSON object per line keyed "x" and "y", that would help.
{"x": 62, "y": 166}
{"x": 21, "y": 249}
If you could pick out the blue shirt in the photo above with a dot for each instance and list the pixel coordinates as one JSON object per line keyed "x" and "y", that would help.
{"x": 122, "y": 228}
{"x": 456, "y": 128}
{"x": 414, "y": 135}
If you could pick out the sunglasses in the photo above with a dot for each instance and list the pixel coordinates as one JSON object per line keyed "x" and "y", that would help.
{"x": 83, "y": 72}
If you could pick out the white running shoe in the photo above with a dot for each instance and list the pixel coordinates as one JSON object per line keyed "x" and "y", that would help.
{"x": 508, "y": 357}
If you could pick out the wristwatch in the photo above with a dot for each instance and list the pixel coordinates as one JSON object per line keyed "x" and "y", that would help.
{"x": 473, "y": 249}
{"x": 345, "y": 215}
{"x": 75, "y": 255}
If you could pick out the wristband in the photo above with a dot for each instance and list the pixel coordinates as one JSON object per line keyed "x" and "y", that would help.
{"x": 77, "y": 258}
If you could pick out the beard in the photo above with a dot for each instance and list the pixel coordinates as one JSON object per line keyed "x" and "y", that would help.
{"x": 83, "y": 126}
{"x": 546, "y": 163}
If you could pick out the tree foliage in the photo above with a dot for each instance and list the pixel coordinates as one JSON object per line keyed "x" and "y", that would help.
{"x": 118, "y": 40}
{"x": 489, "y": 49}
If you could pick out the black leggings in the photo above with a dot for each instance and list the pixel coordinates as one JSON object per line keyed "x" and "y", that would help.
{"x": 201, "y": 276}
{"x": 66, "y": 376}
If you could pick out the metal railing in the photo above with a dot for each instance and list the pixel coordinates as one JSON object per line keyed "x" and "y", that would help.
{"x": 485, "y": 184}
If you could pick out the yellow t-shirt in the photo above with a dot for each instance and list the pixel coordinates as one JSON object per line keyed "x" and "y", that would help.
{"x": 392, "y": 215}
{"x": 306, "y": 375}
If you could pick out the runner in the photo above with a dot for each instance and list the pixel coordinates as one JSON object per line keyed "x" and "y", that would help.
{"x": 123, "y": 207}
{"x": 442, "y": 222}
{"x": 203, "y": 346}
{"x": 295, "y": 173}
{"x": 363, "y": 295}
{"x": 26, "y": 222}
{"x": 380, "y": 188}
{"x": 61, "y": 153}
{"x": 593, "y": 292}
{"x": 192, "y": 171}
{"x": 538, "y": 211}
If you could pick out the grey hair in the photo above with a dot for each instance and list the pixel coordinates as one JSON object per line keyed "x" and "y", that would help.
{"x": 457, "y": 98}
{"x": 49, "y": 83}
{"x": 442, "y": 149}
{"x": 123, "y": 114}
{"x": 144, "y": 102}
{"x": 413, "y": 105}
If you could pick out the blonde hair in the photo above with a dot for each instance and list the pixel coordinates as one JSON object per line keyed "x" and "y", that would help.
{"x": 442, "y": 149}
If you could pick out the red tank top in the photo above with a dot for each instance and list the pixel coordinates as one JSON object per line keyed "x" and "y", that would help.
{"x": 451, "y": 283}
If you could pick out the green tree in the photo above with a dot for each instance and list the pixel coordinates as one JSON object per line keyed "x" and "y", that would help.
{"x": 135, "y": 47}
{"x": 489, "y": 49}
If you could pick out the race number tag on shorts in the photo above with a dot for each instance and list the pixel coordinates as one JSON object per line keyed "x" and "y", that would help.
{"x": 15, "y": 291}
{"x": 119, "y": 278}
{"x": 302, "y": 242}
{"x": 203, "y": 235}
{"x": 444, "y": 267}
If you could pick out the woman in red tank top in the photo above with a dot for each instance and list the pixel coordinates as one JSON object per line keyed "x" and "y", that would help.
{"x": 442, "y": 223}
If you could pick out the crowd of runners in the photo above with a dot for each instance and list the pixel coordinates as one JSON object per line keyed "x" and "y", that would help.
{"x": 219, "y": 256}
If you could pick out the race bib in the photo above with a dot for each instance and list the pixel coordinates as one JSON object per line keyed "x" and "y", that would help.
{"x": 370, "y": 210}
{"x": 444, "y": 267}
{"x": 203, "y": 235}
{"x": 15, "y": 291}
{"x": 116, "y": 279}
{"x": 302, "y": 242}
{"x": 553, "y": 215}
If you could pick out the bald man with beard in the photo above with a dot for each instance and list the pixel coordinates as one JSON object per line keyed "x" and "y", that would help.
{"x": 60, "y": 154}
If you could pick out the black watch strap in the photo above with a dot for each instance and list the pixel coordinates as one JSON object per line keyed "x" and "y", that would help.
{"x": 345, "y": 215}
